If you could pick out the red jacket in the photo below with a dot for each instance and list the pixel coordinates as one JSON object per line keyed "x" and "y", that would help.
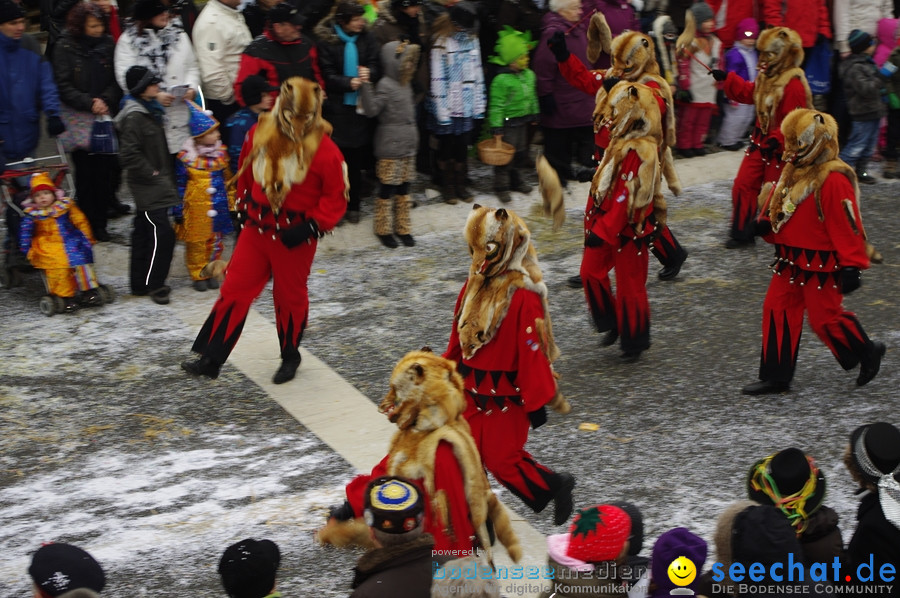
{"x": 448, "y": 479}
{"x": 322, "y": 196}
{"x": 278, "y": 61}
{"x": 728, "y": 14}
{"x": 610, "y": 220}
{"x": 808, "y": 18}
{"x": 794, "y": 97}
{"x": 834, "y": 241}
{"x": 511, "y": 368}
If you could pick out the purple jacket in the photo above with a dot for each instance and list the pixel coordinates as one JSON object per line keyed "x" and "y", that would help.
{"x": 573, "y": 107}
{"x": 619, "y": 14}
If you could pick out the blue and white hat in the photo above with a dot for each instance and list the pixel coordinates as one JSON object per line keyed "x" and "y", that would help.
{"x": 202, "y": 121}
{"x": 393, "y": 505}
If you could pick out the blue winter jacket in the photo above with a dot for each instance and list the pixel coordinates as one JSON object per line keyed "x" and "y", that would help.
{"x": 26, "y": 88}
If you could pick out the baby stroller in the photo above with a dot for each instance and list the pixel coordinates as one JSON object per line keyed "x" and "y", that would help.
{"x": 14, "y": 189}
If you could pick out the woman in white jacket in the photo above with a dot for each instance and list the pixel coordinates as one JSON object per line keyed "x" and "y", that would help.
{"x": 153, "y": 41}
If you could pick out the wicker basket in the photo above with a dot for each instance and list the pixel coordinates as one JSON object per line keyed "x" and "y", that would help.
{"x": 495, "y": 152}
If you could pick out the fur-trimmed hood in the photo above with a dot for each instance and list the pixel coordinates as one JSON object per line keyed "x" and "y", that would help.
{"x": 324, "y": 32}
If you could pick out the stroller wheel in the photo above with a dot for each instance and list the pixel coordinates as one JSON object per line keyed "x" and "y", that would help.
{"x": 107, "y": 293}
{"x": 48, "y": 305}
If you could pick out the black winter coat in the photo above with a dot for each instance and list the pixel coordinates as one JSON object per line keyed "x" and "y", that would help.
{"x": 875, "y": 536}
{"x": 83, "y": 73}
{"x": 351, "y": 130}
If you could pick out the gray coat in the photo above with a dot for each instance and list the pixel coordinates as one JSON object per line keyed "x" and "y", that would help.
{"x": 144, "y": 155}
{"x": 391, "y": 100}
{"x": 862, "y": 86}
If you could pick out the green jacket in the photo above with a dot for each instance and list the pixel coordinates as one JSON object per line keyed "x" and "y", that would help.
{"x": 513, "y": 95}
{"x": 893, "y": 83}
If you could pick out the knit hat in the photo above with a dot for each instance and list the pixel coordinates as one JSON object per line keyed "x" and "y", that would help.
{"x": 789, "y": 480}
{"x": 201, "y": 121}
{"x": 875, "y": 450}
{"x": 747, "y": 29}
{"x": 346, "y": 10}
{"x": 702, "y": 12}
{"x": 511, "y": 44}
{"x": 397, "y": 4}
{"x": 671, "y": 545}
{"x": 598, "y": 534}
{"x": 10, "y": 11}
{"x": 253, "y": 88}
{"x": 285, "y": 13}
{"x": 393, "y": 505}
{"x": 41, "y": 181}
{"x": 145, "y": 10}
{"x": 463, "y": 14}
{"x": 248, "y": 568}
{"x": 138, "y": 78}
{"x": 60, "y": 568}
{"x": 636, "y": 539}
{"x": 859, "y": 41}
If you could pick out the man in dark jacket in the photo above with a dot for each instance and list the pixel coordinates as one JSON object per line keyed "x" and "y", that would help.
{"x": 281, "y": 52}
{"x": 401, "y": 563}
{"x": 863, "y": 88}
{"x": 144, "y": 155}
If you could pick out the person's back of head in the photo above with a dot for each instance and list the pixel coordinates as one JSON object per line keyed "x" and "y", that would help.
{"x": 668, "y": 570}
{"x": 762, "y": 534}
{"x": 248, "y": 568}
{"x": 63, "y": 570}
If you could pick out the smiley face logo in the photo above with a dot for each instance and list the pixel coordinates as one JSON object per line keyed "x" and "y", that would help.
{"x": 682, "y": 571}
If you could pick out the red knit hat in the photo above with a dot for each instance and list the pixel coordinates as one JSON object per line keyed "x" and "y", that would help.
{"x": 41, "y": 181}
{"x": 598, "y": 533}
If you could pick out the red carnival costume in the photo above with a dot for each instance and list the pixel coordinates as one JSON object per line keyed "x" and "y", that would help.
{"x": 620, "y": 219}
{"x": 503, "y": 344}
{"x": 434, "y": 448}
{"x": 633, "y": 57}
{"x": 820, "y": 247}
{"x": 290, "y": 192}
{"x": 780, "y": 87}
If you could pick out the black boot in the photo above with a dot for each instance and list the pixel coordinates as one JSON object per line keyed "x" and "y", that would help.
{"x": 862, "y": 173}
{"x": 562, "y": 499}
{"x": 766, "y": 387}
{"x": 202, "y": 367}
{"x": 575, "y": 281}
{"x": 609, "y": 339}
{"x": 448, "y": 193}
{"x": 870, "y": 364}
{"x": 287, "y": 371}
{"x": 460, "y": 182}
{"x": 671, "y": 271}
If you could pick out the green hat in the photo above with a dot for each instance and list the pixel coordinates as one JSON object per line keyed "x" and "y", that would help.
{"x": 511, "y": 44}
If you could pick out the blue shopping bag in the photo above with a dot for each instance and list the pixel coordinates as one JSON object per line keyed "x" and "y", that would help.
{"x": 818, "y": 68}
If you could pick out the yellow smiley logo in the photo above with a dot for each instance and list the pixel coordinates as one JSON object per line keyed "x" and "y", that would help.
{"x": 682, "y": 571}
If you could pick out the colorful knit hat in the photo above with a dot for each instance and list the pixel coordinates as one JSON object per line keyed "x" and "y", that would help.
{"x": 41, "y": 181}
{"x": 598, "y": 534}
{"x": 511, "y": 44}
{"x": 790, "y": 481}
{"x": 393, "y": 505}
{"x": 202, "y": 121}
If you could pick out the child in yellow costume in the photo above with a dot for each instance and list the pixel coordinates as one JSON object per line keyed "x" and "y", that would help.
{"x": 56, "y": 237}
{"x": 204, "y": 218}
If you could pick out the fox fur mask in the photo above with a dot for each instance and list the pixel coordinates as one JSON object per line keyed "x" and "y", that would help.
{"x": 287, "y": 138}
{"x": 780, "y": 56}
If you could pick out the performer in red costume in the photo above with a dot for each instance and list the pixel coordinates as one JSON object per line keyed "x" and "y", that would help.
{"x": 503, "y": 345}
{"x": 434, "y": 448}
{"x": 780, "y": 87}
{"x": 633, "y": 57}
{"x": 620, "y": 219}
{"x": 812, "y": 217}
{"x": 292, "y": 187}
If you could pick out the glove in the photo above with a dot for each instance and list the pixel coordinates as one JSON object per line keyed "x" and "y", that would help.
{"x": 557, "y": 45}
{"x": 342, "y": 512}
{"x": 684, "y": 95}
{"x": 55, "y": 126}
{"x": 718, "y": 75}
{"x": 547, "y": 104}
{"x": 593, "y": 240}
{"x": 608, "y": 83}
{"x": 291, "y": 237}
{"x": 761, "y": 228}
{"x": 850, "y": 280}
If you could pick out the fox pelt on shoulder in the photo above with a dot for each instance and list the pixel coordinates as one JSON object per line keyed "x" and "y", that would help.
{"x": 287, "y": 138}
{"x": 811, "y": 154}
{"x": 426, "y": 403}
{"x": 503, "y": 261}
{"x": 780, "y": 56}
{"x": 632, "y": 115}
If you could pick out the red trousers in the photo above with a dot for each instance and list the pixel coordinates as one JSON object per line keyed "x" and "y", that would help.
{"x": 782, "y": 324}
{"x": 693, "y": 125}
{"x": 626, "y": 311}
{"x": 257, "y": 258}
{"x": 753, "y": 172}
{"x": 500, "y": 437}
